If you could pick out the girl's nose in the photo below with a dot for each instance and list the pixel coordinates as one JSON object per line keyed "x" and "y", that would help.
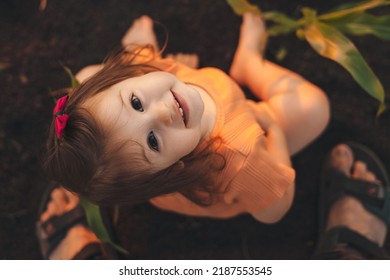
{"x": 163, "y": 113}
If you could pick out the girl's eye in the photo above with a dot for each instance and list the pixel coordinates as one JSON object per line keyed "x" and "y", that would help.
{"x": 136, "y": 103}
{"x": 152, "y": 141}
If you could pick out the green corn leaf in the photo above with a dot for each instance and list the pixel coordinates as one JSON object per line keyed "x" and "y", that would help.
{"x": 347, "y": 9}
{"x": 241, "y": 7}
{"x": 309, "y": 15}
{"x": 332, "y": 44}
{"x": 283, "y": 24}
{"x": 73, "y": 80}
{"x": 353, "y": 5}
{"x": 363, "y": 23}
{"x": 96, "y": 223}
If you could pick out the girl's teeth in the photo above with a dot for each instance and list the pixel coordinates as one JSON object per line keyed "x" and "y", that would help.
{"x": 180, "y": 109}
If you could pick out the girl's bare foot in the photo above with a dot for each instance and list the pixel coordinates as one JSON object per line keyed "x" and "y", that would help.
{"x": 140, "y": 33}
{"x": 349, "y": 211}
{"x": 252, "y": 36}
{"x": 78, "y": 236}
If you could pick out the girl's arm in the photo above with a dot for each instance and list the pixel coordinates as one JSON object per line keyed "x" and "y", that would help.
{"x": 277, "y": 147}
{"x": 276, "y": 139}
{"x": 276, "y": 212}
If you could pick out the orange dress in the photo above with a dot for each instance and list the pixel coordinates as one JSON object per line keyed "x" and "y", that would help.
{"x": 251, "y": 180}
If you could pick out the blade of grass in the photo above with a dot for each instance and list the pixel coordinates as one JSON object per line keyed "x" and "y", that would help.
{"x": 96, "y": 223}
{"x": 332, "y": 44}
{"x": 73, "y": 80}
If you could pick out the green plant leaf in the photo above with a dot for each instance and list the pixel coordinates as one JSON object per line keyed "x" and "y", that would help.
{"x": 96, "y": 223}
{"x": 73, "y": 80}
{"x": 352, "y": 5}
{"x": 283, "y": 24}
{"x": 309, "y": 15}
{"x": 347, "y": 9}
{"x": 332, "y": 44}
{"x": 363, "y": 23}
{"x": 241, "y": 7}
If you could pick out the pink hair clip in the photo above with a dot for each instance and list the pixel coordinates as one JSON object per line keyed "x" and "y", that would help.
{"x": 60, "y": 117}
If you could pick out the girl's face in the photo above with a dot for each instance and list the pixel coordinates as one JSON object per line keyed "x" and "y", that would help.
{"x": 156, "y": 110}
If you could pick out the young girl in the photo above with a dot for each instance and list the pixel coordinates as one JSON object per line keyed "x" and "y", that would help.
{"x": 142, "y": 127}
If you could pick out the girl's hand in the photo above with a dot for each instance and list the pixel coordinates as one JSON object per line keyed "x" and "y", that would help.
{"x": 262, "y": 113}
{"x": 276, "y": 140}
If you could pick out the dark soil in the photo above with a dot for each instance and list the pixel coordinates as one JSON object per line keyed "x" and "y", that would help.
{"x": 35, "y": 44}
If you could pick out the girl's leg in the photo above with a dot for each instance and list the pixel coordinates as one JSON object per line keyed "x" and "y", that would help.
{"x": 299, "y": 107}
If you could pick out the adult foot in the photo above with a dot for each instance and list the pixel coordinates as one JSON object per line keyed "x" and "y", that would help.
{"x": 252, "y": 40}
{"x": 140, "y": 33}
{"x": 349, "y": 211}
{"x": 78, "y": 236}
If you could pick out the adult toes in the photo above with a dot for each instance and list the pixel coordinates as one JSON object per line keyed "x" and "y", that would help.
{"x": 61, "y": 202}
{"x": 58, "y": 194}
{"x": 359, "y": 170}
{"x": 342, "y": 158}
{"x": 52, "y": 209}
{"x": 73, "y": 199}
{"x": 370, "y": 176}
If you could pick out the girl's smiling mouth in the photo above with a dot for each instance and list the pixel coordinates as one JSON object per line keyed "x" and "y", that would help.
{"x": 183, "y": 107}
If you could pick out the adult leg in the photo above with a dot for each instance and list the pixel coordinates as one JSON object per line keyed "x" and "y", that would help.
{"x": 64, "y": 218}
{"x": 300, "y": 108}
{"x": 348, "y": 219}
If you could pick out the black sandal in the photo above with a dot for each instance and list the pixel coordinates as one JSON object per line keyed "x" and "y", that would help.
{"x": 374, "y": 197}
{"x": 96, "y": 251}
{"x": 51, "y": 232}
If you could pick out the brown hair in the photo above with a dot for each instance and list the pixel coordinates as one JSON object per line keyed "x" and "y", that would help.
{"x": 86, "y": 163}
